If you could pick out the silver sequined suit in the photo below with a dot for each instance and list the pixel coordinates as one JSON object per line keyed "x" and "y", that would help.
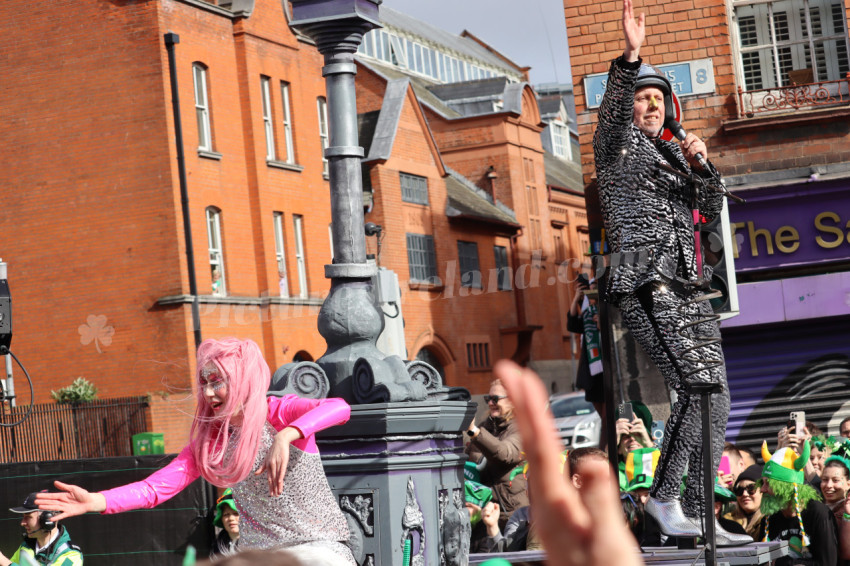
{"x": 650, "y": 233}
{"x": 305, "y": 514}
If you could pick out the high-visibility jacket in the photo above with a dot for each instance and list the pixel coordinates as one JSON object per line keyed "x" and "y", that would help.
{"x": 60, "y": 552}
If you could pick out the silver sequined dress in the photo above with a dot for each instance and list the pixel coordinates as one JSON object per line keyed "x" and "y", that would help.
{"x": 306, "y": 512}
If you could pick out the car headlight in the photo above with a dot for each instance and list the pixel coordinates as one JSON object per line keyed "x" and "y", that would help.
{"x": 588, "y": 425}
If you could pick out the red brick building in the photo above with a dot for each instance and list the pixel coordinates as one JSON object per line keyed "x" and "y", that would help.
{"x": 92, "y": 221}
{"x": 765, "y": 84}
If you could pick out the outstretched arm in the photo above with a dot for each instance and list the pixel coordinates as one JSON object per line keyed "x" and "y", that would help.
{"x": 634, "y": 31}
{"x": 579, "y": 528}
{"x": 71, "y": 501}
{"x": 157, "y": 488}
{"x": 616, "y": 112}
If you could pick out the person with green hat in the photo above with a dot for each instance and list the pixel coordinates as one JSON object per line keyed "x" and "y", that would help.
{"x": 227, "y": 519}
{"x": 637, "y": 474}
{"x": 793, "y": 510}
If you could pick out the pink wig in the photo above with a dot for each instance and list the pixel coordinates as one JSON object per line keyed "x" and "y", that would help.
{"x": 247, "y": 377}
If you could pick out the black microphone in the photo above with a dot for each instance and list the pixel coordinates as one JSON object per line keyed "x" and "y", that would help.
{"x": 676, "y": 128}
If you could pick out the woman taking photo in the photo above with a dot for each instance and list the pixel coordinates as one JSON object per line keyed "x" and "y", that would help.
{"x": 495, "y": 443}
{"x": 262, "y": 447}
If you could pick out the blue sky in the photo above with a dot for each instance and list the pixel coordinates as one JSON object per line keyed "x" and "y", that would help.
{"x": 530, "y": 32}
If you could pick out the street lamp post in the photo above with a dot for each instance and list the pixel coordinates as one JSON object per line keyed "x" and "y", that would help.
{"x": 396, "y": 466}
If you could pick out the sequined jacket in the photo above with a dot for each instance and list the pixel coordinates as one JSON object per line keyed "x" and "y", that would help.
{"x": 647, "y": 212}
{"x": 307, "y": 415}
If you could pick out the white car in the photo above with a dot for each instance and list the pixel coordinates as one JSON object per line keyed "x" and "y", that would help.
{"x": 577, "y": 421}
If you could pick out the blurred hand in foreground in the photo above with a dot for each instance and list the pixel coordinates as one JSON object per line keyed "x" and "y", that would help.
{"x": 579, "y": 528}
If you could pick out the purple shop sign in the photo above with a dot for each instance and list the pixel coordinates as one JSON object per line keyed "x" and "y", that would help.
{"x": 792, "y": 225}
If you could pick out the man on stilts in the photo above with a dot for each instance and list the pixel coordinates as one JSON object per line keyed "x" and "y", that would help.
{"x": 654, "y": 270}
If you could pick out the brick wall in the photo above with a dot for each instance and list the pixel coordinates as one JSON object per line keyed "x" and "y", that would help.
{"x": 687, "y": 30}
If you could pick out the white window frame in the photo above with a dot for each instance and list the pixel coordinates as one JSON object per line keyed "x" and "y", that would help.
{"x": 268, "y": 120}
{"x": 801, "y": 44}
{"x": 559, "y": 134}
{"x": 300, "y": 259}
{"x": 202, "y": 106}
{"x": 216, "y": 248}
{"x": 322, "y": 107}
{"x": 280, "y": 254}
{"x": 287, "y": 123}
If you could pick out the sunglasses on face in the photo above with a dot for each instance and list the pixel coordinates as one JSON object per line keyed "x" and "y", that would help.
{"x": 494, "y": 398}
{"x": 750, "y": 489}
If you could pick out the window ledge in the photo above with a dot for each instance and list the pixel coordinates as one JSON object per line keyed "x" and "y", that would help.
{"x": 425, "y": 286}
{"x": 208, "y": 299}
{"x": 309, "y": 301}
{"x": 785, "y": 119}
{"x": 284, "y": 165}
{"x": 209, "y": 154}
{"x": 233, "y": 300}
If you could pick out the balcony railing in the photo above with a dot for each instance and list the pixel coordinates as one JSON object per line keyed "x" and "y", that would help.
{"x": 96, "y": 429}
{"x": 793, "y": 97}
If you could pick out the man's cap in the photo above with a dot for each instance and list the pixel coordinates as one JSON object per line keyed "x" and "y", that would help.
{"x": 226, "y": 500}
{"x": 29, "y": 504}
{"x": 753, "y": 473}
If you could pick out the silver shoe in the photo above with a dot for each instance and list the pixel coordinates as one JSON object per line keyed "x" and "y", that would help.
{"x": 722, "y": 536}
{"x": 671, "y": 519}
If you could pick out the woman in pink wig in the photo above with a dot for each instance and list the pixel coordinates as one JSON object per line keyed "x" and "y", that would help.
{"x": 262, "y": 447}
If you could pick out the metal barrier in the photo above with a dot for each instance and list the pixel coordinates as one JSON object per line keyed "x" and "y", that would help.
{"x": 95, "y": 429}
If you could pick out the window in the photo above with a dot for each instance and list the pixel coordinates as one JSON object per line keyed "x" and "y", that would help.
{"x": 560, "y": 136}
{"x": 323, "y": 131}
{"x": 470, "y": 274}
{"x": 287, "y": 123}
{"x": 413, "y": 188}
{"x": 534, "y": 226}
{"x": 478, "y": 355}
{"x": 268, "y": 122}
{"x": 778, "y": 39}
{"x": 300, "y": 260}
{"x": 504, "y": 272}
{"x": 202, "y": 107}
{"x": 280, "y": 254}
{"x": 215, "y": 250}
{"x": 422, "y": 259}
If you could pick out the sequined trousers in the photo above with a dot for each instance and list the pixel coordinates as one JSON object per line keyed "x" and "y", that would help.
{"x": 656, "y": 316}
{"x": 304, "y": 516}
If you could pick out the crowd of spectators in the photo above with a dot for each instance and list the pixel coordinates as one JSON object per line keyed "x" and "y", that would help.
{"x": 796, "y": 493}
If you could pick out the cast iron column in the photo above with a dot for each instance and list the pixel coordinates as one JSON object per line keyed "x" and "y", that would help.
{"x": 396, "y": 465}
{"x": 349, "y": 320}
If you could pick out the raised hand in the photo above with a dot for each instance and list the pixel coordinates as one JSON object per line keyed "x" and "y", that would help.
{"x": 634, "y": 31}
{"x": 638, "y": 430}
{"x": 71, "y": 501}
{"x": 578, "y": 528}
